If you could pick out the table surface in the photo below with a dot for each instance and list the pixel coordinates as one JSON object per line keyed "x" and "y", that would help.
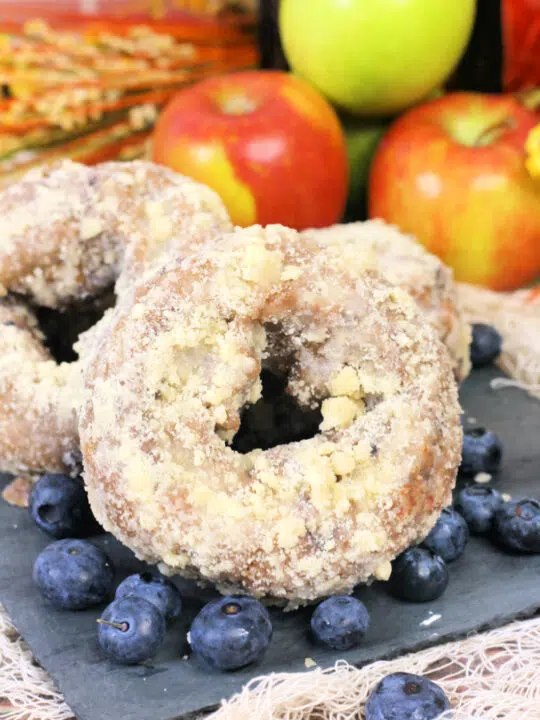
{"x": 487, "y": 588}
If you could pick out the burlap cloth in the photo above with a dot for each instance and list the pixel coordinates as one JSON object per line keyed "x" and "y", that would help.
{"x": 490, "y": 676}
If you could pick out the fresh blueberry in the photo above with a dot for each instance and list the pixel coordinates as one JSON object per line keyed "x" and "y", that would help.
{"x": 74, "y": 574}
{"x": 155, "y": 588}
{"x": 482, "y": 452}
{"x": 340, "y": 622}
{"x": 58, "y": 504}
{"x": 449, "y": 536}
{"x": 130, "y": 630}
{"x": 485, "y": 346}
{"x": 516, "y": 525}
{"x": 418, "y": 575}
{"x": 402, "y": 696}
{"x": 231, "y": 632}
{"x": 478, "y": 505}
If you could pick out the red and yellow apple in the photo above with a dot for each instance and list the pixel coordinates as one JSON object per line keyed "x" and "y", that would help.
{"x": 268, "y": 143}
{"x": 375, "y": 57}
{"x": 453, "y": 173}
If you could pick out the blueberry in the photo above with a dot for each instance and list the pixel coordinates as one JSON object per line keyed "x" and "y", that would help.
{"x": 516, "y": 525}
{"x": 155, "y": 588}
{"x": 231, "y": 632}
{"x": 482, "y": 452}
{"x": 449, "y": 536}
{"x": 402, "y": 696}
{"x": 485, "y": 346}
{"x": 130, "y": 630}
{"x": 59, "y": 505}
{"x": 478, "y": 505}
{"x": 418, "y": 575}
{"x": 74, "y": 574}
{"x": 340, "y": 622}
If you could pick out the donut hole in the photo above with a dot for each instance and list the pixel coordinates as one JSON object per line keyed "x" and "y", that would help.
{"x": 275, "y": 419}
{"x": 62, "y": 328}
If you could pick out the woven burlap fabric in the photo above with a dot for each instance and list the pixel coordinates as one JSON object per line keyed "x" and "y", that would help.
{"x": 517, "y": 317}
{"x": 490, "y": 676}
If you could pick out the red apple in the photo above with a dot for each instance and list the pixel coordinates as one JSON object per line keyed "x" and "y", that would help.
{"x": 268, "y": 143}
{"x": 452, "y": 172}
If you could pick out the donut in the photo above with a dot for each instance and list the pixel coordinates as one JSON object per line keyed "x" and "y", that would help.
{"x": 169, "y": 373}
{"x": 405, "y": 263}
{"x": 68, "y": 233}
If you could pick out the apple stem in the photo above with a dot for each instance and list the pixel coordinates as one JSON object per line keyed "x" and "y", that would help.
{"x": 238, "y": 105}
{"x": 493, "y": 131}
{"x": 530, "y": 99}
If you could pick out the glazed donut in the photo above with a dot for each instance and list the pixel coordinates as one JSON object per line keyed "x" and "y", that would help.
{"x": 68, "y": 232}
{"x": 170, "y": 371}
{"x": 405, "y": 263}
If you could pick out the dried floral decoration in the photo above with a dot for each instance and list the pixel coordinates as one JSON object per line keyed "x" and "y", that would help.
{"x": 17, "y": 492}
{"x": 94, "y": 95}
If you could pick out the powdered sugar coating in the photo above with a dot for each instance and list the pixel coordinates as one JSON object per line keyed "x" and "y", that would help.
{"x": 405, "y": 263}
{"x": 168, "y": 374}
{"x": 67, "y": 233}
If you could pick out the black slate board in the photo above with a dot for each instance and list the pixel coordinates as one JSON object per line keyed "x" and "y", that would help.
{"x": 487, "y": 589}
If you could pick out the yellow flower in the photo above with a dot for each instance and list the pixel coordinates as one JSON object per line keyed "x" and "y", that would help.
{"x": 532, "y": 148}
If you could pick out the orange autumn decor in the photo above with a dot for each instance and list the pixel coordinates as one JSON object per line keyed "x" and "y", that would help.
{"x": 458, "y": 173}
{"x": 521, "y": 42}
{"x": 267, "y": 142}
{"x": 93, "y": 92}
{"x": 132, "y": 9}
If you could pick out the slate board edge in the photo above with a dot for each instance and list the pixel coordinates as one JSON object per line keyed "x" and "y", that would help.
{"x": 417, "y": 647}
{"x": 405, "y": 649}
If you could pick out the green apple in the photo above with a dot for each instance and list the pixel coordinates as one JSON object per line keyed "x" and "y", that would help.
{"x": 362, "y": 140}
{"x": 375, "y": 57}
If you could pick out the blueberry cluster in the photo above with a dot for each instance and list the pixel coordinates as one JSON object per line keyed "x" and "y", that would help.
{"x": 420, "y": 574}
{"x": 227, "y": 634}
{"x": 75, "y": 574}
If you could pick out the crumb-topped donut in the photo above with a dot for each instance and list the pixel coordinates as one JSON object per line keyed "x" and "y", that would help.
{"x": 170, "y": 371}
{"x": 68, "y": 231}
{"x": 405, "y": 263}
{"x": 66, "y": 234}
